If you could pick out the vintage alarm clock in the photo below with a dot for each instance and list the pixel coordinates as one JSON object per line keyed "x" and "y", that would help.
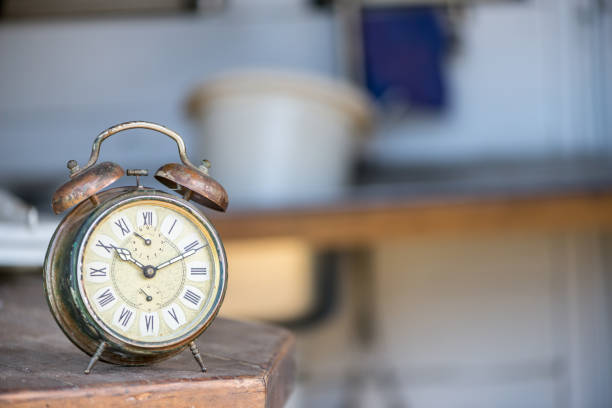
{"x": 134, "y": 275}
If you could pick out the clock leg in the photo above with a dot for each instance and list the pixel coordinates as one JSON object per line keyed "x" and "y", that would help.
{"x": 197, "y": 356}
{"x": 95, "y": 357}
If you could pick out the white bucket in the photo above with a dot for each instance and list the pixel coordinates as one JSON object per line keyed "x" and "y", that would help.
{"x": 275, "y": 138}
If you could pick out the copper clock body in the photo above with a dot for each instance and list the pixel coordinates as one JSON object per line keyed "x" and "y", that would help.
{"x": 74, "y": 312}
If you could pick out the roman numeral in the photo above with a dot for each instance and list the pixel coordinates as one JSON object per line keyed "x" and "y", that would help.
{"x": 191, "y": 246}
{"x": 105, "y": 298}
{"x": 149, "y": 323}
{"x": 124, "y": 316}
{"x": 192, "y": 297}
{"x": 107, "y": 247}
{"x": 122, "y": 226}
{"x": 147, "y": 218}
{"x": 199, "y": 271}
{"x": 172, "y": 314}
{"x": 172, "y": 227}
{"x": 97, "y": 272}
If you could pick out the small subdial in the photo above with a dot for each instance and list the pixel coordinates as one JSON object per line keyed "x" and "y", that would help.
{"x": 146, "y": 246}
{"x": 151, "y": 298}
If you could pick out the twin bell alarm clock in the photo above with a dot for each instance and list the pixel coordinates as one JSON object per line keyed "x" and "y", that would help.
{"x": 134, "y": 275}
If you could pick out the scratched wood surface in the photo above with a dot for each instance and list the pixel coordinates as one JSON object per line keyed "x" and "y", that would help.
{"x": 249, "y": 365}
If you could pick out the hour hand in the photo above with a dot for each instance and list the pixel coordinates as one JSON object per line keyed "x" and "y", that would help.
{"x": 126, "y": 255}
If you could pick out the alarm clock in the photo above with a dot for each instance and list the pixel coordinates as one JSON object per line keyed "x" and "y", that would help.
{"x": 134, "y": 275}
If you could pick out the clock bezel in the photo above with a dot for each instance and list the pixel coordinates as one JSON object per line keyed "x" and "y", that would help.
{"x": 83, "y": 303}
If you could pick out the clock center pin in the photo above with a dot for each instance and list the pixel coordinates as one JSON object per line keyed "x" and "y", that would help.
{"x": 149, "y": 271}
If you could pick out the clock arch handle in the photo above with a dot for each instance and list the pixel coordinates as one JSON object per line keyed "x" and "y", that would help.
{"x": 95, "y": 150}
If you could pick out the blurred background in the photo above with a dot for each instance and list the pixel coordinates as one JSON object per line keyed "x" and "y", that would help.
{"x": 420, "y": 189}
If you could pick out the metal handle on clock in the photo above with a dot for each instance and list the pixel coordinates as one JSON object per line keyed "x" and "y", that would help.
{"x": 95, "y": 150}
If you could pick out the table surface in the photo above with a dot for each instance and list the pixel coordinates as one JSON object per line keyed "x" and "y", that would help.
{"x": 248, "y": 364}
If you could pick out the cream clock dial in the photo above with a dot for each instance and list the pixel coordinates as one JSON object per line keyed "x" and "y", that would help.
{"x": 148, "y": 272}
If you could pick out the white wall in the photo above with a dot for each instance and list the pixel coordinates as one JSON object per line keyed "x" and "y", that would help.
{"x": 62, "y": 82}
{"x": 529, "y": 80}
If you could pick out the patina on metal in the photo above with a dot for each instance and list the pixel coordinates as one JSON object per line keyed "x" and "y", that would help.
{"x": 193, "y": 184}
{"x": 85, "y": 184}
{"x": 95, "y": 357}
{"x": 180, "y": 177}
{"x": 62, "y": 262}
{"x": 67, "y": 306}
{"x": 197, "y": 355}
{"x": 137, "y": 173}
{"x": 95, "y": 150}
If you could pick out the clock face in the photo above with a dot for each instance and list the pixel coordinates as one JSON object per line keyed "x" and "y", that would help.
{"x": 149, "y": 272}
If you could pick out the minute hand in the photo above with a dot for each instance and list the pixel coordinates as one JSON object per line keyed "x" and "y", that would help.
{"x": 178, "y": 258}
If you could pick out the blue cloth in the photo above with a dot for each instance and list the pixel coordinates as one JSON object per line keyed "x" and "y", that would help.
{"x": 403, "y": 54}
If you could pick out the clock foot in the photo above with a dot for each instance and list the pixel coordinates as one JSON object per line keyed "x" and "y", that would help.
{"x": 95, "y": 357}
{"x": 197, "y": 356}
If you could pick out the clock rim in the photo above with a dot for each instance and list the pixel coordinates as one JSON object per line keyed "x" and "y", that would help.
{"x": 84, "y": 306}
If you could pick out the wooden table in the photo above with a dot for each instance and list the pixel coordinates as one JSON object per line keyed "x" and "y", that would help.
{"x": 249, "y": 365}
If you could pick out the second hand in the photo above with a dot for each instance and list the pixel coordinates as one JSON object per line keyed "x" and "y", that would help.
{"x": 148, "y": 297}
